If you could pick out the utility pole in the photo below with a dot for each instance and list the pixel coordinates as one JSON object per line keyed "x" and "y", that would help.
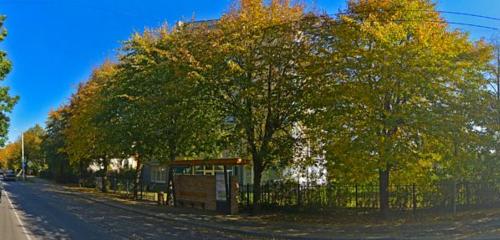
{"x": 497, "y": 104}
{"x": 22, "y": 156}
{"x": 498, "y": 71}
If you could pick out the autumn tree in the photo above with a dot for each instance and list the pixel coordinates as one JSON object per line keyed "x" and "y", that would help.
{"x": 87, "y": 136}
{"x": 494, "y": 84}
{"x": 10, "y": 155}
{"x": 400, "y": 75}
{"x": 159, "y": 110}
{"x": 385, "y": 90}
{"x": 254, "y": 62}
{"x": 33, "y": 152}
{"x": 7, "y": 102}
{"x": 54, "y": 145}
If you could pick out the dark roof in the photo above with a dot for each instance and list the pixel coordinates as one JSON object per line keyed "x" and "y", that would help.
{"x": 204, "y": 162}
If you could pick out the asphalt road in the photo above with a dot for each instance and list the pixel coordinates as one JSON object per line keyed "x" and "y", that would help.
{"x": 45, "y": 212}
{"x": 32, "y": 213}
{"x": 10, "y": 222}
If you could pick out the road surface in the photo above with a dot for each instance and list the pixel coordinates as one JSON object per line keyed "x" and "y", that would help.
{"x": 42, "y": 211}
{"x": 10, "y": 223}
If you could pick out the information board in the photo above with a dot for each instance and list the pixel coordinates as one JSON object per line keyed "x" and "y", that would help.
{"x": 220, "y": 187}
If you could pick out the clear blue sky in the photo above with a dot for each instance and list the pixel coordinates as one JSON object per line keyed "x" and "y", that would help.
{"x": 54, "y": 44}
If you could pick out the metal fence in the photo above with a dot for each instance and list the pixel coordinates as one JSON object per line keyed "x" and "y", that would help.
{"x": 444, "y": 196}
{"x": 124, "y": 185}
{"x": 448, "y": 196}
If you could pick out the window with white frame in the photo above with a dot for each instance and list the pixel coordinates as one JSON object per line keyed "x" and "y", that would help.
{"x": 158, "y": 174}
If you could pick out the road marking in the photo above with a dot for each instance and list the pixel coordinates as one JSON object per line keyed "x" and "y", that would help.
{"x": 17, "y": 216}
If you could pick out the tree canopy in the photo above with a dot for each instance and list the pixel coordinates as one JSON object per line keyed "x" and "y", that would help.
{"x": 7, "y": 101}
{"x": 383, "y": 92}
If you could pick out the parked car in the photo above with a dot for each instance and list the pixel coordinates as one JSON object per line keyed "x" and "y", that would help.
{"x": 9, "y": 175}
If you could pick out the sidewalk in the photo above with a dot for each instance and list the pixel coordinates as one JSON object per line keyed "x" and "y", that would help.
{"x": 467, "y": 226}
{"x": 234, "y": 224}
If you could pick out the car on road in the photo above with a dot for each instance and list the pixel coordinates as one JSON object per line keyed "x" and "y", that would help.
{"x": 9, "y": 175}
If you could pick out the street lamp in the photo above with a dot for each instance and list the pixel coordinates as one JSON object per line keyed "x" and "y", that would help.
{"x": 23, "y": 160}
{"x": 22, "y": 156}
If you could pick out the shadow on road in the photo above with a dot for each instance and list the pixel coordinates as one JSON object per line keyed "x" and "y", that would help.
{"x": 47, "y": 216}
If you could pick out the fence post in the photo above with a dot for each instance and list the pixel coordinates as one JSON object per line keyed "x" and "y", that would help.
{"x": 298, "y": 195}
{"x": 414, "y": 198}
{"x": 467, "y": 193}
{"x": 248, "y": 196}
{"x": 268, "y": 193}
{"x": 356, "y": 195}
{"x": 142, "y": 186}
{"x": 454, "y": 204}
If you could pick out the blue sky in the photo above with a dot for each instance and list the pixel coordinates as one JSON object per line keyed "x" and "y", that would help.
{"x": 54, "y": 44}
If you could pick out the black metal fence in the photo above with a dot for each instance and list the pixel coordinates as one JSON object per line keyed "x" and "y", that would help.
{"x": 123, "y": 184}
{"x": 443, "y": 196}
{"x": 448, "y": 196}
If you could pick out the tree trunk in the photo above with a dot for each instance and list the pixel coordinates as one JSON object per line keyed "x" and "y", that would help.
{"x": 82, "y": 180}
{"x": 170, "y": 187}
{"x": 61, "y": 177}
{"x": 384, "y": 190}
{"x": 138, "y": 176}
{"x": 104, "y": 179}
{"x": 170, "y": 181}
{"x": 257, "y": 176}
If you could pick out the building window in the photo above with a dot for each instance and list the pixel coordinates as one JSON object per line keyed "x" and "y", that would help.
{"x": 158, "y": 174}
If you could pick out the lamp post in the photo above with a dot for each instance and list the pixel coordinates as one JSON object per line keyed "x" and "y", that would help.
{"x": 23, "y": 160}
{"x": 22, "y": 157}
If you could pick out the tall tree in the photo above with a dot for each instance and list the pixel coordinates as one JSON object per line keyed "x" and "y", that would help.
{"x": 7, "y": 102}
{"x": 33, "y": 153}
{"x": 87, "y": 136}
{"x": 494, "y": 82}
{"x": 11, "y": 155}
{"x": 402, "y": 77}
{"x": 255, "y": 62}
{"x": 158, "y": 106}
{"x": 54, "y": 145}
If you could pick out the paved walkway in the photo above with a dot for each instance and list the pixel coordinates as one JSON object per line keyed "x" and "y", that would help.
{"x": 476, "y": 225}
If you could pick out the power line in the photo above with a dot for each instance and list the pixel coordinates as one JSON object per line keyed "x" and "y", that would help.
{"x": 447, "y": 12}
{"x": 464, "y": 14}
{"x": 448, "y": 22}
{"x": 471, "y": 15}
{"x": 444, "y": 21}
{"x": 472, "y": 25}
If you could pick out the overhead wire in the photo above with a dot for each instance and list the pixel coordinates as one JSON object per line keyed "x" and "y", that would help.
{"x": 445, "y": 21}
